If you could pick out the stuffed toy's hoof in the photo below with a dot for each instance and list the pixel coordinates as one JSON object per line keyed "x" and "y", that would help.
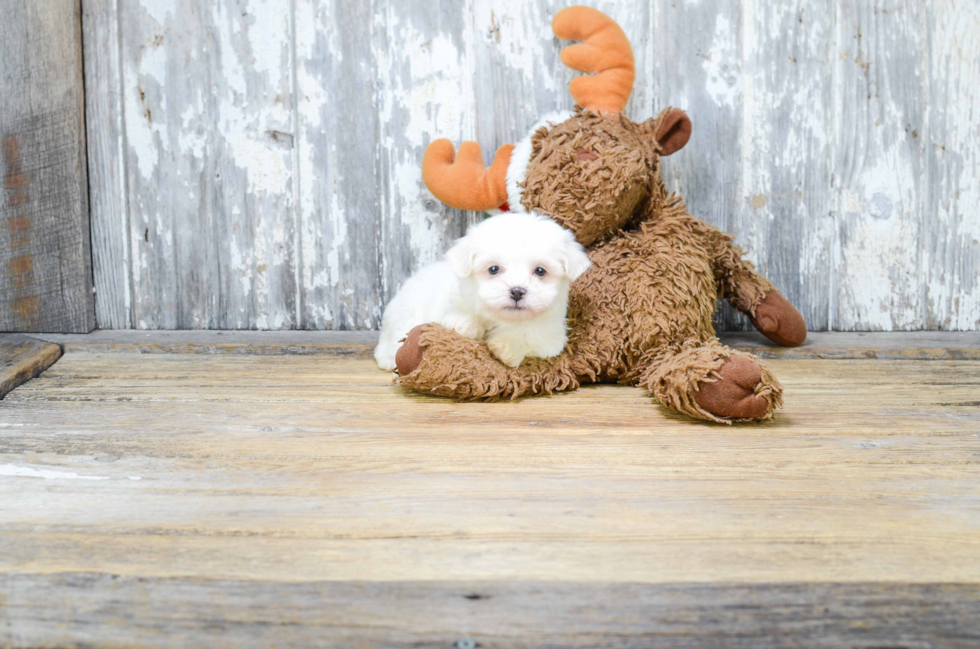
{"x": 409, "y": 355}
{"x": 733, "y": 395}
{"x": 779, "y": 321}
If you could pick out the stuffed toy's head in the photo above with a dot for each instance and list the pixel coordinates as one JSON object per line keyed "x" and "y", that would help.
{"x": 591, "y": 169}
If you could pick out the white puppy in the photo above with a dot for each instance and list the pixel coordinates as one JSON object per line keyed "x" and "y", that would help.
{"x": 506, "y": 281}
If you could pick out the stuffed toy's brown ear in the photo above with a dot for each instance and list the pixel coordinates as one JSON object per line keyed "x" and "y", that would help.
{"x": 674, "y": 131}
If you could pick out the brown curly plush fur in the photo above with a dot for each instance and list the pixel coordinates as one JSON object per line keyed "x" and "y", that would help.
{"x": 642, "y": 315}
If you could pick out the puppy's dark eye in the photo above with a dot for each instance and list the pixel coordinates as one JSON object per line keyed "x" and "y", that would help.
{"x": 540, "y": 272}
{"x": 493, "y": 270}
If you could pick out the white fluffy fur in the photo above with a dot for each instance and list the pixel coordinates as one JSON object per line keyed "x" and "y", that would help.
{"x": 461, "y": 293}
{"x": 520, "y": 157}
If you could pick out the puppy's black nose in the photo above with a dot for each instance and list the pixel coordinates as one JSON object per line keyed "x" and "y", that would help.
{"x": 517, "y": 293}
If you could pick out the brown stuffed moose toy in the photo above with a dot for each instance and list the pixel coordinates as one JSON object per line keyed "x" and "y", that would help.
{"x": 642, "y": 314}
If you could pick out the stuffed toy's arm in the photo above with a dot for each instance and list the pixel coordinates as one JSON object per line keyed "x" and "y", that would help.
{"x": 752, "y": 294}
{"x": 454, "y": 366}
{"x": 439, "y": 361}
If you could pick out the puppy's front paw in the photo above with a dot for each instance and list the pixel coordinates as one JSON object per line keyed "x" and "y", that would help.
{"x": 465, "y": 326}
{"x": 469, "y": 329}
{"x": 505, "y": 354}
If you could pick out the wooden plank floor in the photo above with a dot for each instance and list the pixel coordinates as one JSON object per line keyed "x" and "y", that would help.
{"x": 230, "y": 500}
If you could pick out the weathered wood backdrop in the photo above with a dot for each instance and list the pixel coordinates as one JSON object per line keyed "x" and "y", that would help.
{"x": 255, "y": 163}
{"x": 45, "y": 260}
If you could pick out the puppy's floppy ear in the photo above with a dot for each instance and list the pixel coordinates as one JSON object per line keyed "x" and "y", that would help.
{"x": 573, "y": 259}
{"x": 462, "y": 256}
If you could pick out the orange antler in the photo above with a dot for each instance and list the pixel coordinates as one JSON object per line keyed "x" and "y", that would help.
{"x": 462, "y": 180}
{"x": 603, "y": 51}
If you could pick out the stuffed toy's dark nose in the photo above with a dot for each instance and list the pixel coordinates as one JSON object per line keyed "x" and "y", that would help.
{"x": 517, "y": 293}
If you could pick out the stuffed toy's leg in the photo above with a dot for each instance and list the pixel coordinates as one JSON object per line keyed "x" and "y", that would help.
{"x": 756, "y": 297}
{"x": 778, "y": 320}
{"x": 438, "y": 361}
{"x": 710, "y": 381}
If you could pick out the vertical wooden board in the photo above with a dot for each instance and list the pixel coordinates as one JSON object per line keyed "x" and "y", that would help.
{"x": 174, "y": 265}
{"x": 425, "y": 91}
{"x": 951, "y": 215}
{"x": 105, "y": 137}
{"x": 209, "y": 127}
{"x": 880, "y": 84}
{"x": 697, "y": 66}
{"x": 256, "y": 218}
{"x": 45, "y": 254}
{"x": 785, "y": 208}
{"x": 338, "y": 177}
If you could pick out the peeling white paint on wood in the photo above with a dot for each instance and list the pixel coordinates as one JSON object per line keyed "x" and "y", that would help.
{"x": 878, "y": 167}
{"x": 258, "y": 162}
{"x": 951, "y": 231}
{"x": 14, "y": 471}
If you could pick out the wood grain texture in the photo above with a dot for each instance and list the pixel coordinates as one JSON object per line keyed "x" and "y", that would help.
{"x": 339, "y": 179}
{"x": 215, "y": 466}
{"x": 880, "y": 77}
{"x": 22, "y": 358}
{"x": 951, "y": 227}
{"x": 906, "y": 345}
{"x": 180, "y": 498}
{"x": 251, "y": 343}
{"x": 908, "y": 255}
{"x": 274, "y": 154}
{"x": 45, "y": 256}
{"x": 159, "y": 612}
{"x": 106, "y": 140}
{"x": 208, "y": 118}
